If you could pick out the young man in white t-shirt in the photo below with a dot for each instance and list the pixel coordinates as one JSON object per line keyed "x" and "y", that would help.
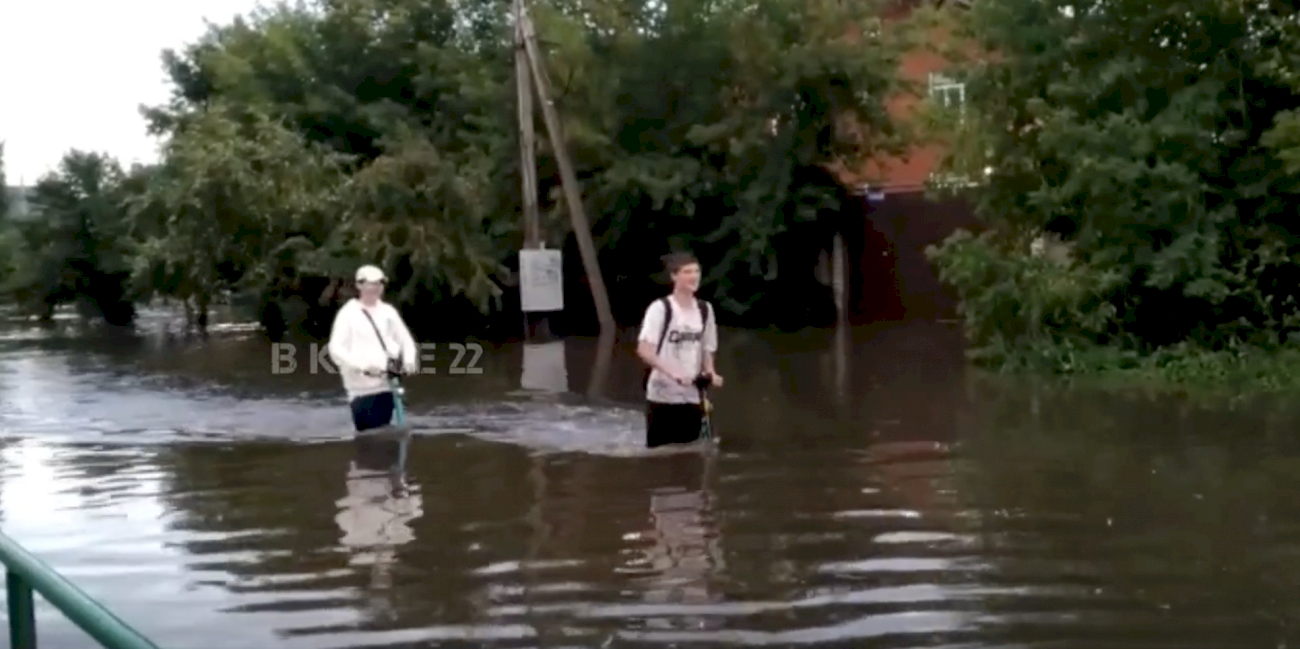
{"x": 678, "y": 340}
{"x": 369, "y": 340}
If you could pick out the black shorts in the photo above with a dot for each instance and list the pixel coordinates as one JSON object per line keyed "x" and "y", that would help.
{"x": 372, "y": 411}
{"x": 672, "y": 423}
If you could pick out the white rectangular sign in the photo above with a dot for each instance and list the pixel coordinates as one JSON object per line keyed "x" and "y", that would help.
{"x": 541, "y": 280}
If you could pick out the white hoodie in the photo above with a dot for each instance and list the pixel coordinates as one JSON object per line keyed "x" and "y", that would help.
{"x": 354, "y": 346}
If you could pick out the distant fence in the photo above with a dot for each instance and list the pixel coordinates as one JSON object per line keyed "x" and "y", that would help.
{"x": 24, "y": 573}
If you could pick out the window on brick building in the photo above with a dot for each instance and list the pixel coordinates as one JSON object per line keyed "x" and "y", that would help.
{"x": 946, "y": 91}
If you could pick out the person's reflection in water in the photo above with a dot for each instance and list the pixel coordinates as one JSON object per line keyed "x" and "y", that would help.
{"x": 686, "y": 553}
{"x": 375, "y": 513}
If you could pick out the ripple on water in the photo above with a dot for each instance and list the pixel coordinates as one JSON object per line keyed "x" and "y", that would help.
{"x": 216, "y": 521}
{"x": 656, "y": 566}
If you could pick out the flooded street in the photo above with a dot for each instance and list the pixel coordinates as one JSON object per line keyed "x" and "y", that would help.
{"x": 888, "y": 500}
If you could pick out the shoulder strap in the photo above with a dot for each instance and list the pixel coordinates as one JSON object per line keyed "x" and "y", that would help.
{"x": 704, "y": 327}
{"x": 668, "y": 316}
{"x": 376, "y": 327}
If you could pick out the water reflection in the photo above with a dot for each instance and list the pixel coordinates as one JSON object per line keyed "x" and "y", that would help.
{"x": 597, "y": 387}
{"x": 544, "y": 368}
{"x": 376, "y": 512}
{"x": 686, "y": 551}
{"x": 868, "y": 497}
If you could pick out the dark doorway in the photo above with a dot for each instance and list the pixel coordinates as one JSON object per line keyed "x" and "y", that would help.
{"x": 893, "y": 280}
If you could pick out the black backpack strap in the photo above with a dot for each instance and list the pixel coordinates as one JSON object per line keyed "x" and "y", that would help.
{"x": 668, "y": 318}
{"x": 704, "y": 312}
{"x": 663, "y": 335}
{"x": 376, "y": 328}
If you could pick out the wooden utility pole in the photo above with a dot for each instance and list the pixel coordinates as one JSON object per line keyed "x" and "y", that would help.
{"x": 527, "y": 138}
{"x": 568, "y": 179}
{"x": 534, "y": 324}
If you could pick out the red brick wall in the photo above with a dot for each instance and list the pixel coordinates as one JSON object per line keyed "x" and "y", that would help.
{"x": 910, "y": 171}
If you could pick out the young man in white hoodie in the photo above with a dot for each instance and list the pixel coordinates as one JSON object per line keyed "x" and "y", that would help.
{"x": 368, "y": 339}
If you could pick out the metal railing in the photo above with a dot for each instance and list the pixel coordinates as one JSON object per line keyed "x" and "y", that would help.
{"x": 24, "y": 573}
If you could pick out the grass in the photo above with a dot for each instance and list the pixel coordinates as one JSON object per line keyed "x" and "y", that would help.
{"x": 1229, "y": 378}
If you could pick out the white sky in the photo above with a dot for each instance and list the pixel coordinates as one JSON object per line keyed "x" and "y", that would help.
{"x": 73, "y": 74}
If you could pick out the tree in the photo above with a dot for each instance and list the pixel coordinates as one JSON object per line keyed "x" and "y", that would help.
{"x": 708, "y": 126}
{"x": 75, "y": 252}
{"x": 688, "y": 118}
{"x": 237, "y": 194}
{"x": 4, "y": 185}
{"x": 314, "y": 69}
{"x": 428, "y": 214}
{"x": 1140, "y": 132}
{"x": 11, "y": 241}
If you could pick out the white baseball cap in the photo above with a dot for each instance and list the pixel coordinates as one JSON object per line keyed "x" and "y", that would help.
{"x": 370, "y": 273}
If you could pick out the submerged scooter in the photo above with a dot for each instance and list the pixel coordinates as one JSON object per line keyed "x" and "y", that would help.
{"x": 398, "y": 431}
{"x": 702, "y": 383}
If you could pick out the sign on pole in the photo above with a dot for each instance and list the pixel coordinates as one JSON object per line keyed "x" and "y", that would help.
{"x": 541, "y": 280}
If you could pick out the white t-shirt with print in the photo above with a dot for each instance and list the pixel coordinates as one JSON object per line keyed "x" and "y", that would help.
{"x": 684, "y": 346}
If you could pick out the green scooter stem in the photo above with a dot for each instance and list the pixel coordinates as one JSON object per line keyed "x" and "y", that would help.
{"x": 399, "y": 419}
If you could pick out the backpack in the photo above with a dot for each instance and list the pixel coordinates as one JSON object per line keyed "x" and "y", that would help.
{"x": 663, "y": 332}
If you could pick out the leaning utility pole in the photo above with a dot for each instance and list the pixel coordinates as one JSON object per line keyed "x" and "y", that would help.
{"x": 568, "y": 179}
{"x": 527, "y": 137}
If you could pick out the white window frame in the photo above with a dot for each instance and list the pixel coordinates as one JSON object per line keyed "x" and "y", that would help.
{"x": 958, "y": 181}
{"x": 943, "y": 89}
{"x": 951, "y": 181}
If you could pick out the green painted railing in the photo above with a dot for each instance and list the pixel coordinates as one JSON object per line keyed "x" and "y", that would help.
{"x": 24, "y": 573}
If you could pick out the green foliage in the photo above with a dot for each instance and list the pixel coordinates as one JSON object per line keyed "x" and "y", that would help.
{"x": 1011, "y": 299}
{"x": 432, "y": 213}
{"x": 1045, "y": 316}
{"x": 398, "y": 115}
{"x": 306, "y": 138}
{"x": 11, "y": 243}
{"x": 217, "y": 214}
{"x": 1160, "y": 141}
{"x": 4, "y": 187}
{"x": 717, "y": 155}
{"x": 14, "y": 256}
{"x": 682, "y": 118}
{"x": 74, "y": 252}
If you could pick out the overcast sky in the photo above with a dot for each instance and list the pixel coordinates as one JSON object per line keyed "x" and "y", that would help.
{"x": 73, "y": 74}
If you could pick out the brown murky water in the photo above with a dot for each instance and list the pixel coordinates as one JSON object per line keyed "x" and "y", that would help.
{"x": 886, "y": 500}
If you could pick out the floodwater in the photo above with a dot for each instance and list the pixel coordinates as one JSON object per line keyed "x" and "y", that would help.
{"x": 867, "y": 492}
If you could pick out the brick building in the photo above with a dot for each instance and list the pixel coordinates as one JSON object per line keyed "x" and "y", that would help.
{"x": 889, "y": 277}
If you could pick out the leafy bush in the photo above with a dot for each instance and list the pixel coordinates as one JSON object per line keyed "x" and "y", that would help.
{"x": 1047, "y": 307}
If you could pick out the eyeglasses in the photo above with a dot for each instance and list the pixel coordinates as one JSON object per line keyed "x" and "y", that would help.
{"x": 380, "y": 282}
